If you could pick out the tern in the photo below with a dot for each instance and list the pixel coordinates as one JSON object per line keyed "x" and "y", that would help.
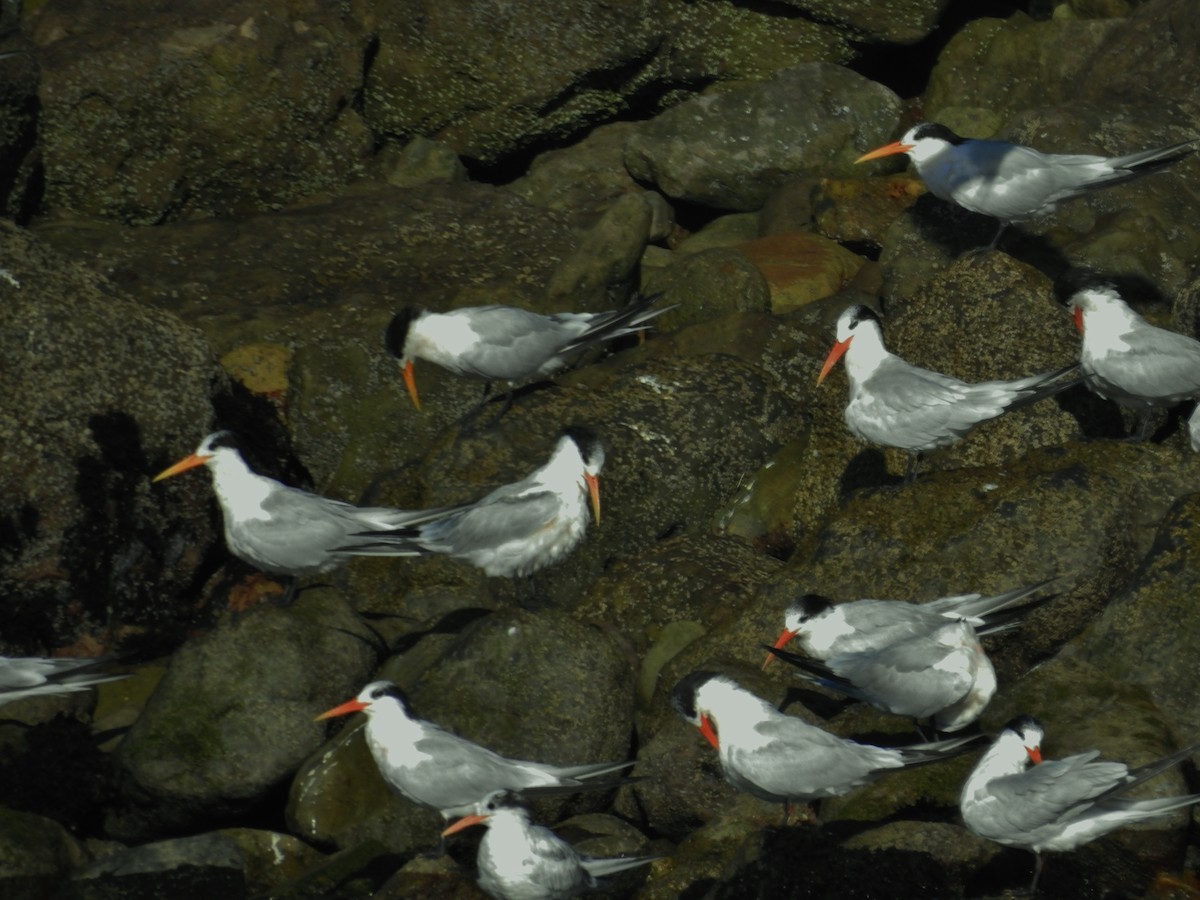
{"x": 924, "y": 661}
{"x": 781, "y": 758}
{"x": 505, "y": 343}
{"x": 894, "y": 403}
{"x": 30, "y": 676}
{"x": 1011, "y": 182}
{"x": 276, "y": 528}
{"x": 518, "y": 860}
{"x": 439, "y": 770}
{"x": 1014, "y": 798}
{"x": 1126, "y": 359}
{"x": 518, "y": 528}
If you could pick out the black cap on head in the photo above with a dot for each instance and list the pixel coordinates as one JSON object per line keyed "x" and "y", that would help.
{"x": 1023, "y": 725}
{"x": 396, "y": 333}
{"x": 934, "y": 130}
{"x": 390, "y": 689}
{"x": 860, "y": 313}
{"x": 586, "y": 440}
{"x": 683, "y": 695}
{"x": 1077, "y": 279}
{"x": 811, "y": 605}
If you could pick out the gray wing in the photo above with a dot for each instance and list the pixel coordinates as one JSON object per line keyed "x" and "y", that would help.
{"x": 792, "y": 759}
{"x": 515, "y": 343}
{"x": 878, "y": 623}
{"x": 902, "y": 677}
{"x": 557, "y": 867}
{"x": 1031, "y": 180}
{"x": 455, "y": 772}
{"x": 498, "y": 519}
{"x": 905, "y": 406}
{"x": 1047, "y": 793}
{"x": 1158, "y": 365}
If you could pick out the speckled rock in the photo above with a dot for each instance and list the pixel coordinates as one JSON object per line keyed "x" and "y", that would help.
{"x": 709, "y": 40}
{"x": 603, "y": 264}
{"x": 1129, "y": 641}
{"x": 481, "y": 685}
{"x": 20, "y": 154}
{"x": 801, "y": 267}
{"x": 148, "y": 115}
{"x": 897, "y": 23}
{"x": 729, "y": 150}
{"x": 96, "y": 386}
{"x": 233, "y": 716}
{"x": 708, "y": 285}
{"x": 488, "y": 80}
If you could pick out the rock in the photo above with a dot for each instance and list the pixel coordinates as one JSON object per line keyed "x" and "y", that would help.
{"x": 35, "y": 855}
{"x": 603, "y": 264}
{"x": 96, "y": 386}
{"x": 480, "y": 686}
{"x": 203, "y": 865}
{"x": 1130, "y": 633}
{"x": 729, "y": 150}
{"x": 20, "y": 154}
{"x": 150, "y": 116}
{"x": 233, "y": 717}
{"x": 709, "y": 41}
{"x": 895, "y": 23}
{"x": 708, "y": 284}
{"x": 488, "y": 84}
{"x": 723, "y": 231}
{"x": 692, "y": 578}
{"x": 801, "y": 267}
{"x": 270, "y": 859}
{"x": 861, "y": 209}
{"x": 421, "y": 161}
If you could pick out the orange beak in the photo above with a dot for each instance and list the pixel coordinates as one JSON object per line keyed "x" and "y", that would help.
{"x": 1035, "y": 754}
{"x": 780, "y": 643}
{"x": 1079, "y": 319}
{"x": 834, "y": 355}
{"x": 188, "y": 462}
{"x": 593, "y": 489}
{"x": 706, "y": 729}
{"x": 350, "y": 706}
{"x": 886, "y": 150}
{"x": 411, "y": 384}
{"x": 464, "y": 822}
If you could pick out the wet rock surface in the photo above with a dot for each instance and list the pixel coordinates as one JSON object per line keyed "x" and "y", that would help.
{"x": 214, "y": 212}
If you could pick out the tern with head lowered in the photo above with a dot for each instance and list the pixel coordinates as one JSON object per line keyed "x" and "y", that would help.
{"x": 505, "y": 343}
{"x": 1126, "y": 359}
{"x": 1011, "y": 182}
{"x": 781, "y": 758}
{"x": 518, "y": 860}
{"x": 923, "y": 661}
{"x": 896, "y": 404}
{"x": 1015, "y": 798}
{"x": 279, "y": 529}
{"x": 439, "y": 770}
{"x": 518, "y": 528}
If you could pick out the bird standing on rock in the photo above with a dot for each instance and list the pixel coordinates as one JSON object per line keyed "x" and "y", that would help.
{"x": 279, "y": 529}
{"x": 919, "y": 660}
{"x": 439, "y": 770}
{"x": 1011, "y": 182}
{"x": 515, "y": 530}
{"x": 1015, "y": 798}
{"x": 518, "y": 860}
{"x": 1126, "y": 359}
{"x": 505, "y": 343}
{"x": 894, "y": 403}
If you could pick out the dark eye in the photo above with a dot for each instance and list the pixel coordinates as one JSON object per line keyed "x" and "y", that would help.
{"x": 377, "y": 693}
